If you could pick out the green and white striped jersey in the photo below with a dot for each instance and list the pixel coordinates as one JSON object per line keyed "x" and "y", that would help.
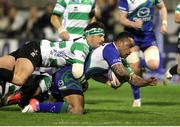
{"x": 76, "y": 15}
{"x": 178, "y": 7}
{"x": 57, "y": 54}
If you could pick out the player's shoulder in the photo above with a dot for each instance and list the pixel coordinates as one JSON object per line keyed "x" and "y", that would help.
{"x": 109, "y": 47}
{"x": 81, "y": 41}
{"x": 80, "y": 44}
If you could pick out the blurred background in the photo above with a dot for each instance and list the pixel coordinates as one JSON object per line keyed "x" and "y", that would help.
{"x": 24, "y": 20}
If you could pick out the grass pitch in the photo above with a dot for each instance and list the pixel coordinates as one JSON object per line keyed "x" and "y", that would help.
{"x": 105, "y": 106}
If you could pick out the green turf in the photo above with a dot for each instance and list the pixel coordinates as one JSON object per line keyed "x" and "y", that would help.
{"x": 105, "y": 106}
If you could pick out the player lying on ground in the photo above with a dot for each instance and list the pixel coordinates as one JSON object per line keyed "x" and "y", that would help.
{"x": 20, "y": 64}
{"x": 108, "y": 56}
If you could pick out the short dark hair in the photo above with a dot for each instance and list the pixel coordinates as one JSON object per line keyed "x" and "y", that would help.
{"x": 94, "y": 25}
{"x": 124, "y": 35}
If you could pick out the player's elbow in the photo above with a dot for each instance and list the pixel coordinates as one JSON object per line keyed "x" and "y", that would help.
{"x": 77, "y": 70}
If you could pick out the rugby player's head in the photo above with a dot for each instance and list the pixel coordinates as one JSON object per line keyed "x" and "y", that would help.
{"x": 94, "y": 33}
{"x": 124, "y": 42}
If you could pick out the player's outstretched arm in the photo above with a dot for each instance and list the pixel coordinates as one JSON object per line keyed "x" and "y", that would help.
{"x": 124, "y": 76}
{"x": 140, "y": 82}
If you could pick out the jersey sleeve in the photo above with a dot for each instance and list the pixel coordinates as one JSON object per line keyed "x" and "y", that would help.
{"x": 123, "y": 5}
{"x": 60, "y": 7}
{"x": 80, "y": 52}
{"x": 112, "y": 56}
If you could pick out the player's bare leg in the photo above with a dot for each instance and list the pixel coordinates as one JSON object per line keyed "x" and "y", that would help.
{"x": 23, "y": 69}
{"x": 6, "y": 68}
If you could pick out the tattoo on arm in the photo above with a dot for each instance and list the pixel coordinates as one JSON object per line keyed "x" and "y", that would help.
{"x": 120, "y": 72}
{"x": 138, "y": 81}
{"x": 123, "y": 76}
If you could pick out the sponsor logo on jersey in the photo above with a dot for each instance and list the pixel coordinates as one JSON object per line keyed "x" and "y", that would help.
{"x": 143, "y": 12}
{"x": 61, "y": 85}
{"x": 57, "y": 53}
{"x": 34, "y": 53}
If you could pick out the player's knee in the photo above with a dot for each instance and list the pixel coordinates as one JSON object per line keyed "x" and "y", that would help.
{"x": 152, "y": 64}
{"x": 78, "y": 110}
{"x": 76, "y": 103}
{"x": 152, "y": 57}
